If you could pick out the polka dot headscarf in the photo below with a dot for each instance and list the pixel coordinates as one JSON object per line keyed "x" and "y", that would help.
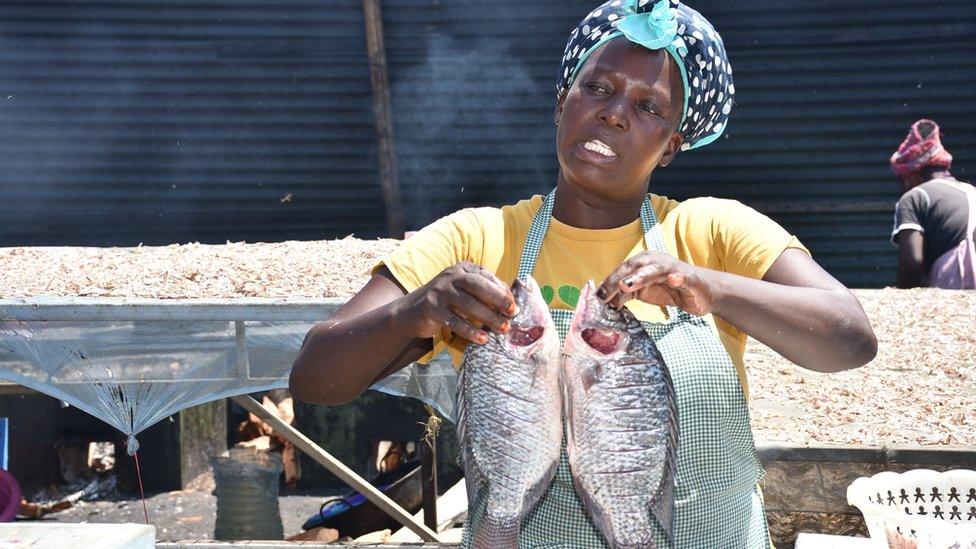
{"x": 682, "y": 32}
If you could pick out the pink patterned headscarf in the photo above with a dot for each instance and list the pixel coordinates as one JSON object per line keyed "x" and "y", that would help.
{"x": 921, "y": 149}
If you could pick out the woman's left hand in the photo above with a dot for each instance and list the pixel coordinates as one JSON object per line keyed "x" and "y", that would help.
{"x": 659, "y": 279}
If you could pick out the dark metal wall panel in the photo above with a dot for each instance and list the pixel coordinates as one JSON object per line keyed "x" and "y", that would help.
{"x": 852, "y": 246}
{"x": 161, "y": 121}
{"x": 473, "y": 94}
{"x": 826, "y": 90}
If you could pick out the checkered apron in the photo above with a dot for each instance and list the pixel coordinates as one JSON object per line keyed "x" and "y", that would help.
{"x": 718, "y": 504}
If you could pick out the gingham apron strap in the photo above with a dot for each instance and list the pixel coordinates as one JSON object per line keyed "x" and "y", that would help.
{"x": 653, "y": 240}
{"x": 533, "y": 240}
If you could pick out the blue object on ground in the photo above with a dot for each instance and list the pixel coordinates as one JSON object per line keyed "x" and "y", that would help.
{"x": 3, "y": 442}
{"x": 336, "y": 506}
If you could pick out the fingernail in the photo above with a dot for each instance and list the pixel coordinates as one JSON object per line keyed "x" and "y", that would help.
{"x": 506, "y": 326}
{"x": 629, "y": 282}
{"x": 482, "y": 338}
{"x": 601, "y": 293}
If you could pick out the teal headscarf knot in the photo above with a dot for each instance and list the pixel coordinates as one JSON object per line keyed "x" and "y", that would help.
{"x": 655, "y": 29}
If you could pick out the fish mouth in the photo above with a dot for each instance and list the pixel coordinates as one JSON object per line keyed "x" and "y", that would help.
{"x": 529, "y": 323}
{"x": 588, "y": 305}
{"x": 587, "y": 323}
{"x": 584, "y": 307}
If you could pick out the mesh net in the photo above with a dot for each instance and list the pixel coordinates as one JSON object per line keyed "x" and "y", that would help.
{"x": 132, "y": 374}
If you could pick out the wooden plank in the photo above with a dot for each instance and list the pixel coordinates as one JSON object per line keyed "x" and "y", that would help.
{"x": 337, "y": 468}
{"x": 383, "y": 114}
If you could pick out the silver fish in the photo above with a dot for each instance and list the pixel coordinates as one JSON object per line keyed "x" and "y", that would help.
{"x": 510, "y": 419}
{"x": 622, "y": 436}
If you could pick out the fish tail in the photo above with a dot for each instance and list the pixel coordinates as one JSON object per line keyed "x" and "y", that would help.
{"x": 496, "y": 533}
{"x": 663, "y": 507}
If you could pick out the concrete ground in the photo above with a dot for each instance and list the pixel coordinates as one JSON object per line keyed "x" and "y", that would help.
{"x": 183, "y": 515}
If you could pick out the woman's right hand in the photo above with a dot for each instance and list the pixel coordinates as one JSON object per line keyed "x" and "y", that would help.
{"x": 466, "y": 298}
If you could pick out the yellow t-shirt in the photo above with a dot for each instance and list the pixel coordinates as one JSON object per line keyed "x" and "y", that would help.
{"x": 724, "y": 235}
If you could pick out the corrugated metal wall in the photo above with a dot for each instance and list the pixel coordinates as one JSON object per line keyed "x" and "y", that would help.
{"x": 473, "y": 95}
{"x": 176, "y": 121}
{"x": 167, "y": 121}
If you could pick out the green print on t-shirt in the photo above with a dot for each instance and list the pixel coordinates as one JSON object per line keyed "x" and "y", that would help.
{"x": 547, "y": 294}
{"x": 567, "y": 294}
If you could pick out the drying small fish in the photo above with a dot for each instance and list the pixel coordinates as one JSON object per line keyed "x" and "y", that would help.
{"x": 510, "y": 419}
{"x": 622, "y": 423}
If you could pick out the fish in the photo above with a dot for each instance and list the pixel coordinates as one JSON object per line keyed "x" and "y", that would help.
{"x": 510, "y": 419}
{"x": 621, "y": 423}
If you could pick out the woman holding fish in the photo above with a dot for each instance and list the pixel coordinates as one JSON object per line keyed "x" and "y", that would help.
{"x": 647, "y": 375}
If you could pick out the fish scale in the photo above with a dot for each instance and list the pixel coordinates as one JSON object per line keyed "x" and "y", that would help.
{"x": 622, "y": 424}
{"x": 510, "y": 407}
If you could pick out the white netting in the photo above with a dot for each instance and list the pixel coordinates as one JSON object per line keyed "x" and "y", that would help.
{"x": 132, "y": 374}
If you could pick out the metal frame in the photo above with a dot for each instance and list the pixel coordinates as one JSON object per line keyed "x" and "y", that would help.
{"x": 85, "y": 309}
{"x": 237, "y": 311}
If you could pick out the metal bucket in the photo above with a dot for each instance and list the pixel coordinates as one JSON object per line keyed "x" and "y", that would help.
{"x": 247, "y": 495}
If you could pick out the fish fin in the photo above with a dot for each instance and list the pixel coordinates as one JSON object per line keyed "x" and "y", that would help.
{"x": 473, "y": 477}
{"x": 597, "y": 513}
{"x": 535, "y": 371}
{"x": 662, "y": 507}
{"x": 569, "y": 439}
{"x": 534, "y": 494}
{"x": 593, "y": 509}
{"x": 474, "y": 484}
{"x": 490, "y": 531}
{"x": 592, "y": 374}
{"x": 460, "y": 400}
